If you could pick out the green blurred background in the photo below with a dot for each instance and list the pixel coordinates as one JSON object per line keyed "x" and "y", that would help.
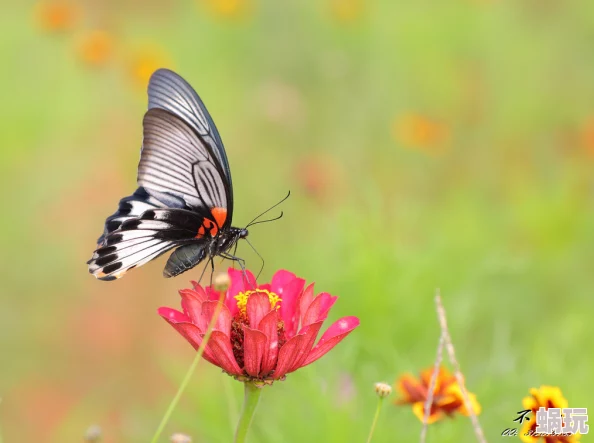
{"x": 426, "y": 144}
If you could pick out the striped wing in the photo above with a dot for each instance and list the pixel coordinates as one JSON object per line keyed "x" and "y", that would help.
{"x": 133, "y": 206}
{"x": 176, "y": 161}
{"x": 139, "y": 240}
{"x": 184, "y": 196}
{"x": 170, "y": 92}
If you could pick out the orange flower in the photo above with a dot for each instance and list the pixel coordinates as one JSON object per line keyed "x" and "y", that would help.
{"x": 346, "y": 11}
{"x": 587, "y": 136}
{"x": 96, "y": 48}
{"x": 55, "y": 16}
{"x": 447, "y": 395}
{"x": 229, "y": 8}
{"x": 546, "y": 397}
{"x": 145, "y": 61}
{"x": 416, "y": 131}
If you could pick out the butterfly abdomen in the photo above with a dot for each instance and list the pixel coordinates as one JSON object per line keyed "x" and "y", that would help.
{"x": 184, "y": 258}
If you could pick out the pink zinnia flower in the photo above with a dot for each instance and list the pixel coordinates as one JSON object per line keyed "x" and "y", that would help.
{"x": 263, "y": 332}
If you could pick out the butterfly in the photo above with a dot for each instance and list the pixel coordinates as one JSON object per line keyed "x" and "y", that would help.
{"x": 184, "y": 199}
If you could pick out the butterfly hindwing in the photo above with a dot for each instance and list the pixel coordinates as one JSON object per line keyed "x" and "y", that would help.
{"x": 141, "y": 239}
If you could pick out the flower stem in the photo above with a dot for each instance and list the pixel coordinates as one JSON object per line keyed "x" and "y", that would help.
{"x": 250, "y": 402}
{"x": 190, "y": 372}
{"x": 380, "y": 401}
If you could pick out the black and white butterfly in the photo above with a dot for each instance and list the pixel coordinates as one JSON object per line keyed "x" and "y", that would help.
{"x": 185, "y": 196}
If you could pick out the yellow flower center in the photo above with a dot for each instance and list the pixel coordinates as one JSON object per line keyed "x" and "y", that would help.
{"x": 242, "y": 299}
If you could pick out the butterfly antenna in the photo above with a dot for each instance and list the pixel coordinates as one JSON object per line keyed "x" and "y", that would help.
{"x": 258, "y": 254}
{"x": 268, "y": 210}
{"x": 266, "y": 221}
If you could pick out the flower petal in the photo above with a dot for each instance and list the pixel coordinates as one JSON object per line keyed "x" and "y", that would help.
{"x": 197, "y": 292}
{"x": 411, "y": 389}
{"x": 280, "y": 279}
{"x": 192, "y": 304}
{"x": 310, "y": 334}
{"x": 318, "y": 309}
{"x": 269, "y": 326}
{"x": 435, "y": 413}
{"x": 239, "y": 282}
{"x": 287, "y": 355}
{"x": 254, "y": 345}
{"x": 219, "y": 346}
{"x": 258, "y": 305}
{"x": 289, "y": 293}
{"x": 335, "y": 333}
{"x": 224, "y": 319}
{"x": 193, "y": 335}
{"x": 173, "y": 315}
{"x": 305, "y": 300}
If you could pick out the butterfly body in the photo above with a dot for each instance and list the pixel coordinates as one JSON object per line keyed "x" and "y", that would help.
{"x": 185, "y": 198}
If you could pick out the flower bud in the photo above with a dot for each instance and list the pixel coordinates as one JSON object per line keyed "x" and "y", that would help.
{"x": 178, "y": 437}
{"x": 221, "y": 282}
{"x": 383, "y": 389}
{"x": 93, "y": 434}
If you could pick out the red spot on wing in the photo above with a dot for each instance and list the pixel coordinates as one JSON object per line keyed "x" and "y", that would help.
{"x": 219, "y": 215}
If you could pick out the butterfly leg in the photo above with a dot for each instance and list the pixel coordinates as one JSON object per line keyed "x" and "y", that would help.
{"x": 241, "y": 263}
{"x": 204, "y": 269}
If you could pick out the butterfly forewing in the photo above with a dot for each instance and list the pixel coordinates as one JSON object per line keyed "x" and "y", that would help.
{"x": 170, "y": 92}
{"x": 175, "y": 160}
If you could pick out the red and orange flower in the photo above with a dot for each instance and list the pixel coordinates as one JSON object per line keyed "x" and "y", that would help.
{"x": 263, "y": 332}
{"x": 546, "y": 397}
{"x": 447, "y": 395}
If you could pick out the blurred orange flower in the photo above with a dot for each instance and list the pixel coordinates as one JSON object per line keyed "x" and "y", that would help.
{"x": 587, "y": 136}
{"x": 447, "y": 395}
{"x": 145, "y": 61}
{"x": 229, "y": 8}
{"x": 96, "y": 48}
{"x": 56, "y": 16}
{"x": 416, "y": 131}
{"x": 346, "y": 11}
{"x": 546, "y": 397}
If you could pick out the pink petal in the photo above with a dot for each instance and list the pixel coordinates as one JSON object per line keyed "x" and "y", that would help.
{"x": 288, "y": 307}
{"x": 254, "y": 345}
{"x": 335, "y": 333}
{"x": 193, "y": 335}
{"x": 198, "y": 291}
{"x": 173, "y": 315}
{"x": 269, "y": 326}
{"x": 310, "y": 334}
{"x": 223, "y": 322}
{"x": 191, "y": 304}
{"x": 305, "y": 300}
{"x": 318, "y": 309}
{"x": 265, "y": 287}
{"x": 280, "y": 279}
{"x": 287, "y": 356}
{"x": 239, "y": 283}
{"x": 219, "y": 346}
{"x": 258, "y": 305}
